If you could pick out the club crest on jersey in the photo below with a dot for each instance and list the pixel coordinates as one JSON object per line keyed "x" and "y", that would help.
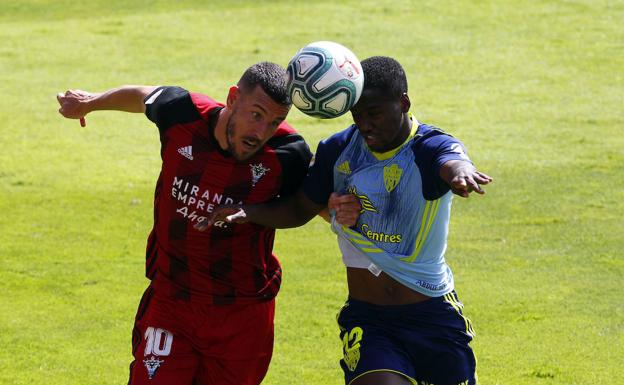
{"x": 257, "y": 172}
{"x": 152, "y": 364}
{"x": 392, "y": 176}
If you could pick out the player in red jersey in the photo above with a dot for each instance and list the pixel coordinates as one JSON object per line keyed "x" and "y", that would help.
{"x": 207, "y": 316}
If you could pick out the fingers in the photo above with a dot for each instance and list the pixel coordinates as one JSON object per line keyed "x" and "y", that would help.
{"x": 237, "y": 216}
{"x": 348, "y": 218}
{"x": 347, "y": 208}
{"x": 464, "y": 185}
{"x": 202, "y": 224}
{"x": 70, "y": 105}
{"x": 482, "y": 178}
{"x": 474, "y": 186}
{"x": 225, "y": 214}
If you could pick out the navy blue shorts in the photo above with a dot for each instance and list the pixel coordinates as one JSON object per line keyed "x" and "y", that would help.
{"x": 427, "y": 342}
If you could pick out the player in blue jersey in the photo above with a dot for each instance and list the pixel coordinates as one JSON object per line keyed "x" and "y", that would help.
{"x": 402, "y": 323}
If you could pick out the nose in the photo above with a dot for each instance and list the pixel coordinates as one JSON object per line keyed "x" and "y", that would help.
{"x": 260, "y": 130}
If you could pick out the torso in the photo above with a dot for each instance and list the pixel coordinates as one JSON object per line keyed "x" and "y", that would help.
{"x": 381, "y": 290}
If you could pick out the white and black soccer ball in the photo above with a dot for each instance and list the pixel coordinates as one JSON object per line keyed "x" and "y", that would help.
{"x": 325, "y": 79}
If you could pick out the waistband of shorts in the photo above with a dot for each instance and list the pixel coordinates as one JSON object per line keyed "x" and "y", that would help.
{"x": 357, "y": 304}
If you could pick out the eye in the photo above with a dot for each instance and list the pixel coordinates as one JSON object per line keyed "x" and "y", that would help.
{"x": 373, "y": 113}
{"x": 256, "y": 116}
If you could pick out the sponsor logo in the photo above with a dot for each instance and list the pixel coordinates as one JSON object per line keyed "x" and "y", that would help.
{"x": 344, "y": 167}
{"x": 365, "y": 202}
{"x": 380, "y": 237}
{"x": 197, "y": 201}
{"x": 186, "y": 152}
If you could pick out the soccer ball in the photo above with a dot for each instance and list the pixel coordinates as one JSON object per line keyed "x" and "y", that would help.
{"x": 325, "y": 79}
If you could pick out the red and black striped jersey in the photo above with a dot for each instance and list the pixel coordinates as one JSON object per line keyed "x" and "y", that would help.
{"x": 228, "y": 262}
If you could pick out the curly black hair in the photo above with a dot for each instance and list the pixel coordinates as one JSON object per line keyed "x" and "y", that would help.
{"x": 384, "y": 73}
{"x": 271, "y": 77}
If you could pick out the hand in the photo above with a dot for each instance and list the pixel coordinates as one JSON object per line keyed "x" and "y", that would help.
{"x": 347, "y": 208}
{"x": 225, "y": 213}
{"x": 74, "y": 103}
{"x": 467, "y": 181}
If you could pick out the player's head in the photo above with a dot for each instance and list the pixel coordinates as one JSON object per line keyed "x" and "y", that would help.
{"x": 381, "y": 112}
{"x": 256, "y": 106}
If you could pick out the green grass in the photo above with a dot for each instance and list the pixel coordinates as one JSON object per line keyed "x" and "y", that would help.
{"x": 535, "y": 89}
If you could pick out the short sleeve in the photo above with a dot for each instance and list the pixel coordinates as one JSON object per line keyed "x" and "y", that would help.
{"x": 319, "y": 184}
{"x": 168, "y": 106}
{"x": 294, "y": 156}
{"x": 431, "y": 151}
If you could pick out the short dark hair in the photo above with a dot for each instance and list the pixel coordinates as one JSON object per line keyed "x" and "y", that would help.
{"x": 271, "y": 77}
{"x": 386, "y": 74}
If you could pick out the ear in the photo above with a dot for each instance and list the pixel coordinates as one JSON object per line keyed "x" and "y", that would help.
{"x": 233, "y": 94}
{"x": 405, "y": 103}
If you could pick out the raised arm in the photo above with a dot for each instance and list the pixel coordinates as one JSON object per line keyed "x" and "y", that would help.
{"x": 463, "y": 177}
{"x": 75, "y": 104}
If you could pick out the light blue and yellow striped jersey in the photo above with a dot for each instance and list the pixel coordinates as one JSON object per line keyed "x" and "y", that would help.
{"x": 406, "y": 206}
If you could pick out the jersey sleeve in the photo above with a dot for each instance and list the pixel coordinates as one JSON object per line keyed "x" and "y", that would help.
{"x": 431, "y": 152}
{"x": 319, "y": 183}
{"x": 294, "y": 156}
{"x": 168, "y": 106}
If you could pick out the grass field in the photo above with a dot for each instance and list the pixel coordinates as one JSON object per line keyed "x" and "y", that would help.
{"x": 535, "y": 89}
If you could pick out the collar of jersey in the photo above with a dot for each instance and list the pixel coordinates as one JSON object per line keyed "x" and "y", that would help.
{"x": 390, "y": 153}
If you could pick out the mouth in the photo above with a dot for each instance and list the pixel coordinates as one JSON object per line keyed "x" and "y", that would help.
{"x": 250, "y": 144}
{"x": 370, "y": 140}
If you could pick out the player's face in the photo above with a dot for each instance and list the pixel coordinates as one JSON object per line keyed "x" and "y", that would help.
{"x": 382, "y": 119}
{"x": 253, "y": 121}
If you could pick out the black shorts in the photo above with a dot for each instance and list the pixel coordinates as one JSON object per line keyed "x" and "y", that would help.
{"x": 427, "y": 342}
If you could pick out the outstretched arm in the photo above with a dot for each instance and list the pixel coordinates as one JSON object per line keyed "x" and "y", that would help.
{"x": 463, "y": 177}
{"x": 75, "y": 104}
{"x": 293, "y": 211}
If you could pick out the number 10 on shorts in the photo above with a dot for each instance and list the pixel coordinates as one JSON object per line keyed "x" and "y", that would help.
{"x": 158, "y": 341}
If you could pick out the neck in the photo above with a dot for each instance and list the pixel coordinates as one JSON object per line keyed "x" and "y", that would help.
{"x": 404, "y": 132}
{"x": 406, "y": 127}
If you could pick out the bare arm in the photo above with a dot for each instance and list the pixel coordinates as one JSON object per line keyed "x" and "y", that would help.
{"x": 75, "y": 104}
{"x": 293, "y": 211}
{"x": 463, "y": 177}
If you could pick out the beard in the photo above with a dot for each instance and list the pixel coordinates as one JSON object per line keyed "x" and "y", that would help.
{"x": 230, "y": 132}
{"x": 232, "y": 148}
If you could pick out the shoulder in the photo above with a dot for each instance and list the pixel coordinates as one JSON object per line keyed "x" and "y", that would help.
{"x": 204, "y": 103}
{"x": 289, "y": 145}
{"x": 431, "y": 141}
{"x": 427, "y": 135}
{"x": 336, "y": 143}
{"x": 169, "y": 105}
{"x": 340, "y": 139}
{"x": 285, "y": 137}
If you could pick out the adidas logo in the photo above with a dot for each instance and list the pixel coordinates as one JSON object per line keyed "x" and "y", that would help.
{"x": 186, "y": 152}
{"x": 344, "y": 167}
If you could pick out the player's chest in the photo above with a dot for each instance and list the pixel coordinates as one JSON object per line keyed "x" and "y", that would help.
{"x": 193, "y": 166}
